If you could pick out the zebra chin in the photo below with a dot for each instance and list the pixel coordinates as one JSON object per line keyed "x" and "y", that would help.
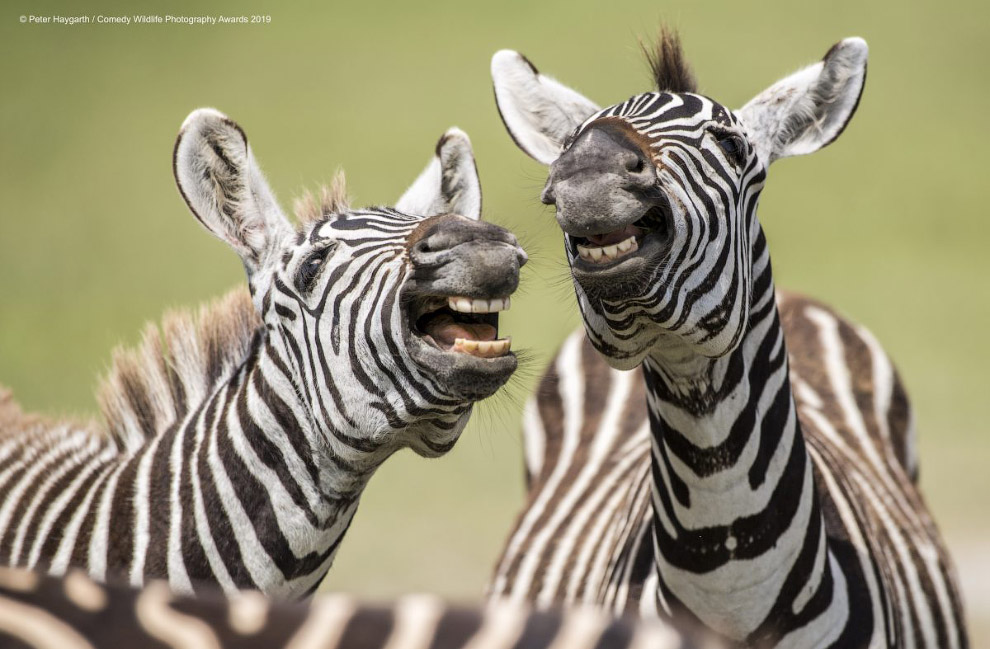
{"x": 628, "y": 275}
{"x": 456, "y": 339}
{"x": 461, "y": 374}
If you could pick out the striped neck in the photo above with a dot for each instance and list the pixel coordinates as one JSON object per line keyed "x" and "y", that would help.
{"x": 297, "y": 498}
{"x": 738, "y": 527}
{"x": 333, "y": 458}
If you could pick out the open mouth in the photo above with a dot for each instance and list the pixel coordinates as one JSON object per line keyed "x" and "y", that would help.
{"x": 462, "y": 325}
{"x": 608, "y": 248}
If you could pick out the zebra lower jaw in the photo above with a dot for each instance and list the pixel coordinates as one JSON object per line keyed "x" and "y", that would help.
{"x": 456, "y": 341}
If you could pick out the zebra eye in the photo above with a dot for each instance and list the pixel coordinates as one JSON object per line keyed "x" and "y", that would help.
{"x": 309, "y": 270}
{"x": 733, "y": 146}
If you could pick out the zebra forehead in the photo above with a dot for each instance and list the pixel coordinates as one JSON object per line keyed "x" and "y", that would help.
{"x": 621, "y": 128}
{"x": 390, "y": 224}
{"x": 427, "y": 224}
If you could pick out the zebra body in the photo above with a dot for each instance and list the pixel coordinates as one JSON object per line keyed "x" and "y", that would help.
{"x": 765, "y": 484}
{"x": 75, "y": 612}
{"x": 238, "y": 442}
{"x": 584, "y": 534}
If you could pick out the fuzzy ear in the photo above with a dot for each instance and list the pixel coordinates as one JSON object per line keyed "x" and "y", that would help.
{"x": 220, "y": 181}
{"x": 449, "y": 184}
{"x": 809, "y": 109}
{"x": 537, "y": 111}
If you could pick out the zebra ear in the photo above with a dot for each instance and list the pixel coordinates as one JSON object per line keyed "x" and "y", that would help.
{"x": 223, "y": 186}
{"x": 538, "y": 112}
{"x": 449, "y": 184}
{"x": 809, "y": 109}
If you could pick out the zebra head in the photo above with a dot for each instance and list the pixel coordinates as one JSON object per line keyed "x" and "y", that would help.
{"x": 657, "y": 195}
{"x": 384, "y": 319}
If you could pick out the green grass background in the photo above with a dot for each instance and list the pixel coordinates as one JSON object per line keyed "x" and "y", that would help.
{"x": 888, "y": 224}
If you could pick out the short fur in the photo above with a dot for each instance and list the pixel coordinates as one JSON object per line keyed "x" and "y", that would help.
{"x": 669, "y": 68}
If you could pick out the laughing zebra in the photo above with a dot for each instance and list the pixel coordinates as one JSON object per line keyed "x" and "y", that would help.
{"x": 237, "y": 444}
{"x": 766, "y": 490}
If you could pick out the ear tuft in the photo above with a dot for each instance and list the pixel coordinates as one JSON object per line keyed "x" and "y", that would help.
{"x": 538, "y": 112}
{"x": 810, "y": 108}
{"x": 450, "y": 182}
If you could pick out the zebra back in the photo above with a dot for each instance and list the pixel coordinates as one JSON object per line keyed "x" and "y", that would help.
{"x": 74, "y": 612}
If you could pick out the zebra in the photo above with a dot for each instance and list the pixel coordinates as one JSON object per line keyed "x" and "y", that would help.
{"x": 779, "y": 505}
{"x": 237, "y": 443}
{"x": 75, "y": 612}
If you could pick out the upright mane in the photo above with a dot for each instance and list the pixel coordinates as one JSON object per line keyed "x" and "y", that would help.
{"x": 176, "y": 366}
{"x": 670, "y": 70}
{"x": 332, "y": 200}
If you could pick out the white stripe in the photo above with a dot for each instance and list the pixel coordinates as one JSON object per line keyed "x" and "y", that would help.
{"x": 60, "y": 562}
{"x": 534, "y": 438}
{"x": 142, "y": 506}
{"x": 99, "y": 543}
{"x": 58, "y": 505}
{"x": 572, "y": 387}
{"x": 603, "y": 441}
{"x": 416, "y": 618}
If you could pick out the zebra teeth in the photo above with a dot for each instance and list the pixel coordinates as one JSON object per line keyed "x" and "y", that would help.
{"x": 475, "y": 305}
{"x": 603, "y": 254}
{"x": 483, "y": 348}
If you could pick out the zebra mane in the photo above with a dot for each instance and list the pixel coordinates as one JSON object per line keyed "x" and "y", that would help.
{"x": 174, "y": 367}
{"x": 670, "y": 70}
{"x": 14, "y": 421}
{"x": 332, "y": 200}
{"x": 178, "y": 364}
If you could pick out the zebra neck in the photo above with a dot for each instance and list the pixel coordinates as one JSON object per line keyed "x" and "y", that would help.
{"x": 738, "y": 530}
{"x": 338, "y": 471}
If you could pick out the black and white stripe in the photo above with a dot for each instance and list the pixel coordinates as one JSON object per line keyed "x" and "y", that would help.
{"x": 783, "y": 504}
{"x": 238, "y": 443}
{"x": 74, "y": 612}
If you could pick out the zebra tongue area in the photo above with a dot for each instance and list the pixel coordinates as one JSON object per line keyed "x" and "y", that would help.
{"x": 445, "y": 330}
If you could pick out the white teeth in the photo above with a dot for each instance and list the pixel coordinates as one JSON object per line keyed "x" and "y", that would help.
{"x": 483, "y": 348}
{"x": 468, "y": 305}
{"x": 603, "y": 254}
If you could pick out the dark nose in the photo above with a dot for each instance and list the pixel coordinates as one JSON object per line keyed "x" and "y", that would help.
{"x": 601, "y": 151}
{"x": 453, "y": 255}
{"x": 601, "y": 182}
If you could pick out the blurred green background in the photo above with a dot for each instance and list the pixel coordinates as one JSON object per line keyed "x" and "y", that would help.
{"x": 887, "y": 224}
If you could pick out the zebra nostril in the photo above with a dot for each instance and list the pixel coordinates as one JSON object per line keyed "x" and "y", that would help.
{"x": 633, "y": 162}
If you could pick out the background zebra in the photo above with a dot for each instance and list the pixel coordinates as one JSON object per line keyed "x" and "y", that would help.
{"x": 784, "y": 509}
{"x": 74, "y": 612}
{"x": 237, "y": 444}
